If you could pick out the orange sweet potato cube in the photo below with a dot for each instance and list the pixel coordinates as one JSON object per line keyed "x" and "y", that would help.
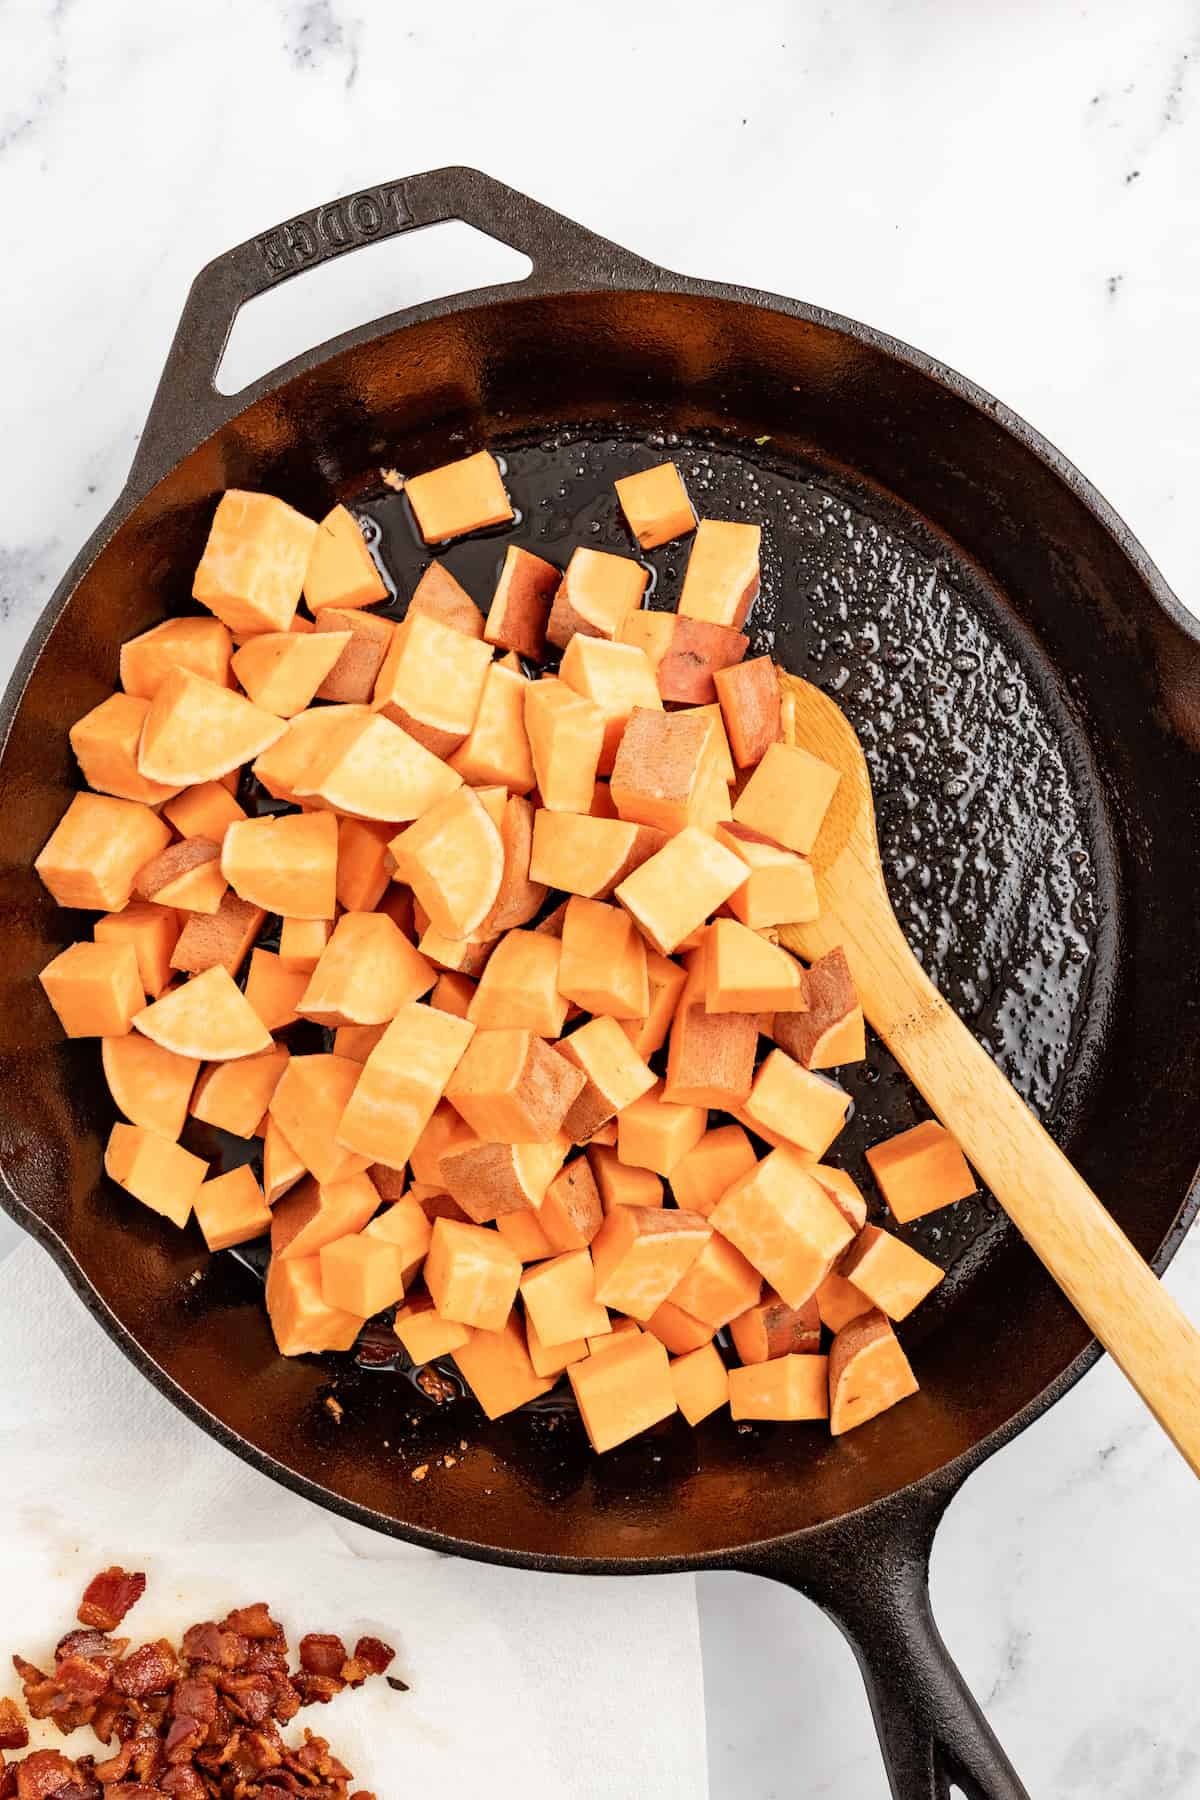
{"x": 700, "y": 1382}
{"x": 458, "y": 497}
{"x": 105, "y": 742}
{"x": 367, "y": 972}
{"x": 566, "y": 737}
{"x": 920, "y": 1171}
{"x": 710, "y": 1061}
{"x": 521, "y": 604}
{"x": 596, "y": 593}
{"x": 202, "y": 645}
{"x": 787, "y": 797}
{"x": 868, "y": 1372}
{"x": 522, "y": 1231}
{"x": 282, "y": 670}
{"x": 495, "y": 1366}
{"x": 838, "y": 1301}
{"x": 750, "y": 706}
{"x": 586, "y": 855}
{"x": 666, "y": 981}
{"x": 472, "y": 1274}
{"x": 789, "y": 1387}
{"x": 673, "y": 893}
{"x": 699, "y": 1179}
{"x": 571, "y": 1213}
{"x": 341, "y": 570}
{"x": 780, "y": 887}
{"x": 361, "y": 1275}
{"x": 616, "y": 678}
{"x": 273, "y": 990}
{"x": 95, "y": 989}
{"x": 616, "y": 1074}
{"x": 622, "y": 1184}
{"x": 641, "y": 1253}
{"x": 230, "y": 1209}
{"x": 559, "y": 1297}
{"x": 512, "y": 1088}
{"x": 218, "y": 940}
{"x": 603, "y": 960}
{"x": 186, "y": 874}
{"x": 623, "y": 1392}
{"x": 424, "y": 1333}
{"x": 401, "y": 1082}
{"x": 453, "y": 859}
{"x": 832, "y": 1031}
{"x": 720, "y": 583}
{"x": 678, "y": 1330}
{"x": 747, "y": 973}
{"x": 663, "y": 769}
{"x": 309, "y": 1105}
{"x": 892, "y": 1275}
{"x": 406, "y": 1225}
{"x": 208, "y": 1017}
{"x": 771, "y": 1328}
{"x": 93, "y": 855}
{"x": 719, "y": 1285}
{"x": 431, "y": 681}
{"x": 452, "y": 993}
{"x": 655, "y": 505}
{"x": 519, "y": 898}
{"x": 364, "y": 867}
{"x": 519, "y": 989}
{"x": 843, "y": 1190}
{"x": 303, "y": 1324}
{"x": 442, "y": 597}
{"x": 796, "y": 1104}
{"x": 235, "y": 1095}
{"x": 302, "y": 941}
{"x": 653, "y": 1133}
{"x": 496, "y": 750}
{"x": 356, "y": 1042}
{"x": 784, "y": 1224}
{"x": 150, "y": 1085}
{"x": 252, "y": 571}
{"x": 446, "y": 1131}
{"x": 153, "y": 931}
{"x": 205, "y": 810}
{"x": 621, "y": 1329}
{"x": 552, "y": 1359}
{"x": 317, "y": 1212}
{"x": 490, "y": 1181}
{"x": 196, "y": 731}
{"x": 691, "y": 658}
{"x": 351, "y": 681}
{"x": 155, "y": 1170}
{"x": 374, "y": 770}
{"x": 282, "y": 1168}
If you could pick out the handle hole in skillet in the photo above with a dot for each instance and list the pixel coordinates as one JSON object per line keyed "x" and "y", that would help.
{"x": 362, "y": 285}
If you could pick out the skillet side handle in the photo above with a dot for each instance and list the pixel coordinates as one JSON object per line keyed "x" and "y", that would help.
{"x": 870, "y": 1573}
{"x": 187, "y": 406}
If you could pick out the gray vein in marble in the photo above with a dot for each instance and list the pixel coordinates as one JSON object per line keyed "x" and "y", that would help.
{"x": 18, "y": 126}
{"x": 316, "y": 33}
{"x": 1122, "y": 1758}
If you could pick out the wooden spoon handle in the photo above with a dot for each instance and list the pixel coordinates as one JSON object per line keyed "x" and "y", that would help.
{"x": 1083, "y": 1247}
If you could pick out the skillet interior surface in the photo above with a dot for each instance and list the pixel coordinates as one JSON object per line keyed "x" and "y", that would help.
{"x": 1030, "y": 714}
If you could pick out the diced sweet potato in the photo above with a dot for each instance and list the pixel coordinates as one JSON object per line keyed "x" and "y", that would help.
{"x": 208, "y": 1017}
{"x": 662, "y": 770}
{"x": 202, "y": 645}
{"x": 512, "y": 1088}
{"x": 596, "y": 592}
{"x": 203, "y": 811}
{"x": 361, "y": 1275}
{"x": 351, "y": 681}
{"x": 700, "y": 1382}
{"x": 520, "y": 897}
{"x": 588, "y": 856}
{"x": 673, "y": 893}
{"x": 406, "y": 1224}
{"x": 458, "y": 497}
{"x": 472, "y": 1274}
{"x": 641, "y": 1253}
{"x": 559, "y": 1298}
{"x": 616, "y": 1075}
{"x": 552, "y": 1359}
{"x": 235, "y": 1095}
{"x": 155, "y": 1170}
{"x": 750, "y": 707}
{"x": 317, "y": 1212}
{"x": 424, "y": 1333}
{"x": 442, "y": 597}
{"x": 491, "y": 1180}
{"x": 650, "y": 632}
{"x": 252, "y": 571}
{"x": 920, "y": 1170}
{"x": 609, "y": 1340}
{"x": 832, "y": 1031}
{"x": 341, "y": 570}
{"x": 519, "y": 989}
{"x": 720, "y": 583}
{"x": 783, "y": 1223}
{"x": 654, "y": 1133}
{"x": 623, "y": 1392}
{"x": 719, "y": 1286}
{"x": 699, "y": 1179}
{"x": 95, "y": 989}
{"x": 286, "y": 864}
{"x": 521, "y": 604}
{"x": 719, "y": 746}
{"x": 302, "y": 943}
{"x": 843, "y": 1190}
{"x": 465, "y": 956}
{"x": 93, "y": 855}
{"x": 496, "y": 749}
{"x": 186, "y": 874}
{"x": 603, "y": 963}
{"x": 150, "y": 1085}
{"x": 230, "y": 1209}
{"x": 282, "y": 670}
{"x": 678, "y": 1330}
{"x": 495, "y": 1366}
{"x": 219, "y": 940}
{"x": 787, "y": 797}
{"x": 153, "y": 931}
{"x": 522, "y": 1231}
{"x": 374, "y": 770}
{"x": 309, "y": 1105}
{"x": 453, "y": 859}
{"x": 570, "y": 1213}
{"x": 838, "y": 1301}
{"x": 432, "y": 681}
{"x": 868, "y": 1372}
{"x": 771, "y": 1328}
{"x": 303, "y": 1324}
{"x": 402, "y": 1081}
{"x": 452, "y": 993}
{"x": 282, "y": 1168}
{"x": 196, "y": 731}
{"x": 780, "y": 887}
{"x": 667, "y": 981}
{"x": 804, "y": 1108}
{"x": 622, "y": 1184}
{"x": 446, "y": 1130}
{"x": 364, "y": 867}
{"x": 710, "y": 1061}
{"x": 655, "y": 505}
{"x": 279, "y": 767}
{"x": 105, "y": 742}
{"x": 747, "y": 973}
{"x": 788, "y": 1387}
{"x": 566, "y": 737}
{"x": 367, "y": 972}
{"x": 695, "y": 656}
{"x": 390, "y": 1184}
{"x": 892, "y": 1275}
{"x": 616, "y": 678}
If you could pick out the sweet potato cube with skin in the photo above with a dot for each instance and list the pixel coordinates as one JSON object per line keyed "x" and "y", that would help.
{"x": 559, "y": 1297}
{"x": 282, "y": 1168}
{"x": 401, "y": 1082}
{"x": 616, "y": 1075}
{"x": 376, "y": 771}
{"x": 458, "y": 497}
{"x": 597, "y": 592}
{"x": 623, "y": 1392}
{"x": 676, "y": 890}
{"x": 519, "y": 988}
{"x": 235, "y": 1095}
{"x": 520, "y": 898}
{"x": 352, "y": 679}
{"x": 150, "y": 1085}
{"x": 641, "y": 1253}
{"x": 341, "y": 570}
{"x": 186, "y": 875}
{"x": 699, "y": 1179}
{"x": 571, "y": 1213}
{"x": 650, "y": 632}
{"x": 787, "y": 797}
{"x": 784, "y": 1224}
{"x": 654, "y": 1133}
{"x": 566, "y": 737}
{"x": 472, "y": 1274}
{"x": 317, "y": 1212}
{"x": 720, "y": 583}
{"x": 440, "y": 596}
{"x": 622, "y": 1184}
{"x": 208, "y": 1017}
{"x": 780, "y": 887}
{"x": 719, "y": 1286}
{"x": 252, "y": 571}
{"x": 693, "y": 658}
{"x": 832, "y": 1031}
{"x": 282, "y": 670}
{"x": 302, "y": 943}
{"x": 893, "y": 1276}
{"x": 195, "y": 731}
{"x": 750, "y": 706}
{"x": 230, "y": 1209}
{"x": 771, "y": 1328}
{"x": 710, "y": 1061}
{"x": 155, "y": 1170}
{"x": 662, "y": 768}
{"x": 700, "y": 1382}
{"x": 424, "y": 1333}
{"x": 309, "y": 1104}
{"x": 219, "y": 940}
{"x": 453, "y": 859}
{"x": 495, "y": 1366}
{"x": 603, "y": 961}
{"x": 302, "y": 1322}
{"x": 920, "y": 1170}
{"x": 95, "y": 989}
{"x": 202, "y": 645}
{"x": 512, "y": 1088}
{"x": 843, "y": 1190}
{"x": 491, "y": 1180}
{"x": 361, "y": 1275}
{"x": 446, "y": 1131}
{"x": 552, "y": 1359}
{"x": 405, "y": 1224}
{"x": 153, "y": 931}
{"x": 804, "y": 1108}
{"x": 105, "y": 742}
{"x": 389, "y": 1183}
{"x": 93, "y": 855}
{"x": 204, "y": 811}
{"x": 788, "y": 1387}
{"x": 747, "y": 973}
{"x": 667, "y": 981}
{"x": 616, "y": 678}
{"x": 284, "y": 864}
{"x": 431, "y": 682}
{"x": 367, "y": 972}
{"x": 655, "y": 505}
{"x": 521, "y": 604}
{"x": 496, "y": 750}
{"x": 589, "y": 856}
{"x": 678, "y": 1330}
{"x": 868, "y": 1372}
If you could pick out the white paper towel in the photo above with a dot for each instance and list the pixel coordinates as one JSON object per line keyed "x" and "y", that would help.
{"x": 523, "y": 1685}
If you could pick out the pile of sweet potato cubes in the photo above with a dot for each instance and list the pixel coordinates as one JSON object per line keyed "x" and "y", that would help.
{"x": 512, "y": 896}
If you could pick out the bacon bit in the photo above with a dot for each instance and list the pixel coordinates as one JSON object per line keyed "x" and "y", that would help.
{"x": 109, "y": 1596}
{"x": 374, "y": 1654}
{"x": 150, "y": 1670}
{"x": 321, "y": 1653}
{"x": 14, "y": 1733}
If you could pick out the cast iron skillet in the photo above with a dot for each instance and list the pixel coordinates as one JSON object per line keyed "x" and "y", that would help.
{"x": 1030, "y": 694}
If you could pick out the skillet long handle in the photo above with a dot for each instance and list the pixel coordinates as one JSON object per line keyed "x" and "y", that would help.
{"x": 1108, "y": 1283}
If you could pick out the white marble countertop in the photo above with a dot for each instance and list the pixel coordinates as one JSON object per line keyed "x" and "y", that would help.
{"x": 1011, "y": 187}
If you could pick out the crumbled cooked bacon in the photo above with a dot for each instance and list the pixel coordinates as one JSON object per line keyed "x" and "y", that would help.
{"x": 200, "y": 1723}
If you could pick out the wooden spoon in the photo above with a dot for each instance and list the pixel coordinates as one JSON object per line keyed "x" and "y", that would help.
{"x": 1085, "y": 1250}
